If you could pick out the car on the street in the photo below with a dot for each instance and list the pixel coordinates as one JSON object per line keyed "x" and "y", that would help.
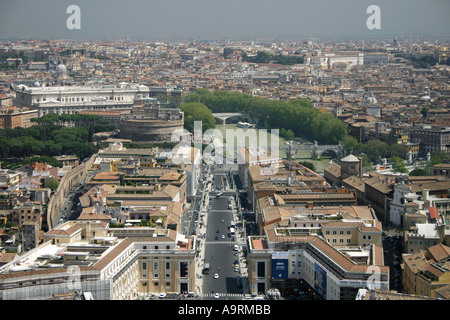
{"x": 222, "y": 220}
{"x": 162, "y": 295}
{"x": 216, "y": 296}
{"x": 216, "y": 276}
{"x": 223, "y": 237}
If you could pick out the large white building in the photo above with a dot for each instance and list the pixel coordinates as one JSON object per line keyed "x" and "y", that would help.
{"x": 328, "y": 60}
{"x": 72, "y": 99}
{"x": 110, "y": 264}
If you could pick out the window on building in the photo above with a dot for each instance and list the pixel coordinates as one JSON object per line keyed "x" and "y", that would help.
{"x": 261, "y": 269}
{"x": 184, "y": 271}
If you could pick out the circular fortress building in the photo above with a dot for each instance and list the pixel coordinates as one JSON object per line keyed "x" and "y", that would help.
{"x": 147, "y": 122}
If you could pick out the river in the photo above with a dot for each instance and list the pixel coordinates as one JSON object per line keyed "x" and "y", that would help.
{"x": 302, "y": 155}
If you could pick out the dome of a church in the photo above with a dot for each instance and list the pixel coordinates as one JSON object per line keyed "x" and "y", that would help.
{"x": 371, "y": 100}
{"x": 61, "y": 71}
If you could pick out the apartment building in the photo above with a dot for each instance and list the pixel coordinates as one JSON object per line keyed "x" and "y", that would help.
{"x": 314, "y": 248}
{"x": 430, "y": 138}
{"x": 378, "y": 194}
{"x": 289, "y": 178}
{"x": 12, "y": 118}
{"x": 285, "y": 257}
{"x": 426, "y": 271}
{"x": 28, "y": 215}
{"x": 110, "y": 264}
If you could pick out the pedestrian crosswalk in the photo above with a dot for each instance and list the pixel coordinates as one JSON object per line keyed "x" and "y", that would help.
{"x": 220, "y": 242}
{"x": 222, "y": 295}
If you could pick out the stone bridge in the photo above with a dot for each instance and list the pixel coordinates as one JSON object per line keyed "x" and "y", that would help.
{"x": 224, "y": 116}
{"x": 316, "y": 150}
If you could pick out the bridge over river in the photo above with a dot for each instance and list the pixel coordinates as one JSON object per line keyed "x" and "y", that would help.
{"x": 231, "y": 115}
{"x": 292, "y": 148}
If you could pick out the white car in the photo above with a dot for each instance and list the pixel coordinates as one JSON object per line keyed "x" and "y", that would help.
{"x": 216, "y": 296}
{"x": 162, "y": 295}
{"x": 216, "y": 276}
{"x": 223, "y": 237}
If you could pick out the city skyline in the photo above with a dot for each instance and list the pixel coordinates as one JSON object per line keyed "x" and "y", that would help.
{"x": 240, "y": 20}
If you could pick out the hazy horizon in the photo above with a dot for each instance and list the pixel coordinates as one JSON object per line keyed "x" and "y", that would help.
{"x": 213, "y": 19}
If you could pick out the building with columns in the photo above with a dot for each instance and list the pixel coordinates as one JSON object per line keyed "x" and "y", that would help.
{"x": 72, "y": 99}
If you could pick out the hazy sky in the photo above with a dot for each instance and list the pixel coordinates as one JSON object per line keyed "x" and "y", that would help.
{"x": 159, "y": 19}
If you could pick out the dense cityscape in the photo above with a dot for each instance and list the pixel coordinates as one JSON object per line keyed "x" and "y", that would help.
{"x": 138, "y": 170}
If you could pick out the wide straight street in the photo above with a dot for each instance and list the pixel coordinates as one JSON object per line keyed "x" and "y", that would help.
{"x": 220, "y": 251}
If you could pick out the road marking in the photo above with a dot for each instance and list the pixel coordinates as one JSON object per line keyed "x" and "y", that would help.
{"x": 220, "y": 242}
{"x": 211, "y": 295}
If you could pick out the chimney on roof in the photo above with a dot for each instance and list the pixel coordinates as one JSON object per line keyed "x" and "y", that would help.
{"x": 88, "y": 230}
{"x": 425, "y": 194}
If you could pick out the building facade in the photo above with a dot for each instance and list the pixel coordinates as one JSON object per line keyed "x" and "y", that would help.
{"x": 71, "y": 99}
{"x": 111, "y": 264}
{"x": 287, "y": 262}
{"x": 431, "y": 139}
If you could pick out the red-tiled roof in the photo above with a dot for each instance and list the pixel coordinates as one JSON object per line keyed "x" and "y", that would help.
{"x": 434, "y": 214}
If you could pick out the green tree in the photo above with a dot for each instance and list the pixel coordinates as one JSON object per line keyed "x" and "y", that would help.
{"x": 419, "y": 172}
{"x": 289, "y": 135}
{"x": 398, "y": 164}
{"x": 399, "y": 150}
{"x": 298, "y": 115}
{"x": 350, "y": 144}
{"x": 196, "y": 111}
{"x": 375, "y": 149}
{"x": 309, "y": 165}
{"x": 51, "y": 183}
{"x": 438, "y": 157}
{"x": 366, "y": 163}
